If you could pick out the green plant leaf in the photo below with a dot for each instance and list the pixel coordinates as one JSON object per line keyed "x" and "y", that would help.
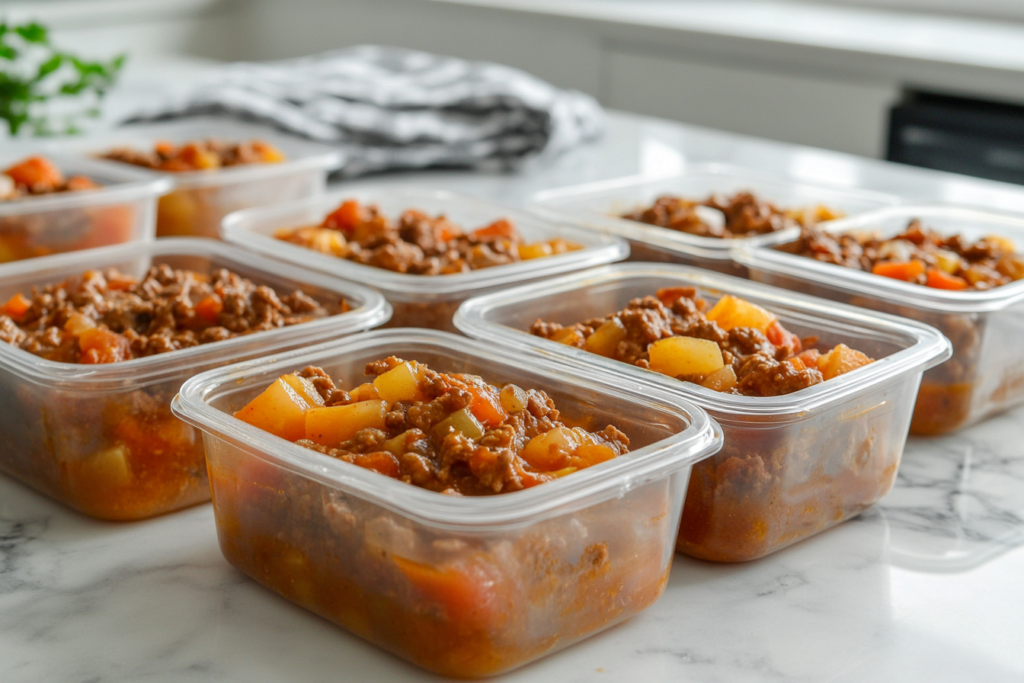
{"x": 49, "y": 66}
{"x": 32, "y": 33}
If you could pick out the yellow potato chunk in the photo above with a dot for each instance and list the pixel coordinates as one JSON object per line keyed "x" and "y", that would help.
{"x": 279, "y": 410}
{"x": 535, "y": 250}
{"x": 569, "y": 336}
{"x": 400, "y": 383}
{"x": 546, "y": 451}
{"x": 676, "y": 356}
{"x": 731, "y": 311}
{"x": 364, "y": 392}
{"x": 720, "y": 380}
{"x": 841, "y": 360}
{"x": 109, "y": 466}
{"x": 513, "y": 399}
{"x": 606, "y": 338}
{"x": 304, "y": 388}
{"x": 333, "y": 425}
{"x": 461, "y": 421}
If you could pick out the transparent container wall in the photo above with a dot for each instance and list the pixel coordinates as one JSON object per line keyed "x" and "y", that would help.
{"x": 985, "y": 374}
{"x": 113, "y": 450}
{"x": 779, "y": 478}
{"x": 601, "y": 204}
{"x": 459, "y": 603}
{"x": 419, "y": 301}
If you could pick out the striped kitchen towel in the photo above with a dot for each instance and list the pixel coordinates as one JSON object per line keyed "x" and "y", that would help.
{"x": 393, "y": 108}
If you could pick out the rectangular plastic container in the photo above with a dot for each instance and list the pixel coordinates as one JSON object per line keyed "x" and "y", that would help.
{"x": 201, "y": 199}
{"x": 600, "y": 205}
{"x": 986, "y": 373}
{"x": 122, "y": 211}
{"x": 792, "y": 466}
{"x": 420, "y": 300}
{"x": 101, "y": 438}
{"x": 463, "y": 586}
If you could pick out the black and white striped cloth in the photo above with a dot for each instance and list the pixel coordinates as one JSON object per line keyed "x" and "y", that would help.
{"x": 393, "y": 108}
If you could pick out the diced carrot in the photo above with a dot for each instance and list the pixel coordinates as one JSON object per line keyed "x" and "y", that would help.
{"x": 121, "y": 283}
{"x": 198, "y": 157}
{"x": 809, "y": 357}
{"x": 345, "y": 218}
{"x": 36, "y": 172}
{"x": 77, "y": 183}
{"x": 940, "y": 279}
{"x": 268, "y": 153}
{"x": 383, "y": 463}
{"x": 486, "y": 406}
{"x": 781, "y": 337}
{"x": 669, "y": 295}
{"x": 209, "y": 308}
{"x": 907, "y": 271}
{"x": 164, "y": 147}
{"x": 499, "y": 228}
{"x": 466, "y": 595}
{"x": 100, "y": 345}
{"x": 17, "y": 306}
{"x": 797, "y": 363}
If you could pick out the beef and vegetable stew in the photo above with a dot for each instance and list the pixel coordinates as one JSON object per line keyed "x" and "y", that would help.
{"x": 197, "y": 155}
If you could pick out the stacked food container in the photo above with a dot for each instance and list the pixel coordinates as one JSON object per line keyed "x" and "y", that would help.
{"x": 472, "y": 503}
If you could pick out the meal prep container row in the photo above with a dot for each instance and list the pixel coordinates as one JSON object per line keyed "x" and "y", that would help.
{"x": 201, "y": 199}
{"x": 600, "y": 205}
{"x": 122, "y": 210}
{"x": 101, "y": 438}
{"x": 464, "y": 586}
{"x": 986, "y": 373}
{"x": 792, "y": 465}
{"x": 419, "y": 300}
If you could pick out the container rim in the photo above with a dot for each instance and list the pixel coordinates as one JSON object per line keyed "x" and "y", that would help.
{"x": 764, "y": 256}
{"x": 548, "y": 202}
{"x": 123, "y": 185}
{"x": 598, "y": 248}
{"x": 702, "y": 438}
{"x": 372, "y": 310}
{"x": 929, "y": 347}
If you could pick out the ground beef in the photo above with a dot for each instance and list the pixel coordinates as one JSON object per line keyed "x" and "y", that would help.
{"x": 102, "y": 317}
{"x": 745, "y": 213}
{"x": 918, "y": 255}
{"x": 417, "y": 243}
{"x": 411, "y": 446}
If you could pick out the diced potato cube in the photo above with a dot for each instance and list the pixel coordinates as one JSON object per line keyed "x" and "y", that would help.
{"x": 535, "y": 250}
{"x": 841, "y": 360}
{"x": 279, "y": 410}
{"x": 398, "y": 444}
{"x": 77, "y": 324}
{"x": 1004, "y": 244}
{"x": 676, "y": 356}
{"x": 108, "y": 467}
{"x": 606, "y": 338}
{"x": 513, "y": 399}
{"x": 304, "y": 388}
{"x": 461, "y": 421}
{"x": 335, "y": 424}
{"x": 595, "y": 453}
{"x": 731, "y": 311}
{"x": 947, "y": 261}
{"x": 400, "y": 383}
{"x": 364, "y": 392}
{"x": 720, "y": 380}
{"x": 569, "y": 336}
{"x": 546, "y": 452}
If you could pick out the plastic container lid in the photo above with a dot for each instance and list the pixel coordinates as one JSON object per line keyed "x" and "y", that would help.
{"x": 502, "y": 318}
{"x": 368, "y": 309}
{"x": 599, "y": 205}
{"x": 301, "y": 154}
{"x": 468, "y": 514}
{"x": 254, "y": 228}
{"x": 946, "y": 220}
{"x": 121, "y": 184}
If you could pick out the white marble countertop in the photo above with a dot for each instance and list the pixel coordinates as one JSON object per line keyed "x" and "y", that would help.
{"x": 926, "y": 586}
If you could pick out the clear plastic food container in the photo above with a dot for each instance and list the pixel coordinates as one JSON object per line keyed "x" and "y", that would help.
{"x": 600, "y": 205}
{"x": 464, "y": 586}
{"x": 986, "y": 373}
{"x": 201, "y": 199}
{"x": 123, "y": 210}
{"x": 420, "y": 300}
{"x": 101, "y": 438}
{"x": 792, "y": 465}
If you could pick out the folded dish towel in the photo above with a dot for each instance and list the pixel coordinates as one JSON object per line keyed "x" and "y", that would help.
{"x": 393, "y": 108}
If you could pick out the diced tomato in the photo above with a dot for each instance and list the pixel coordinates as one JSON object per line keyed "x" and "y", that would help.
{"x": 103, "y": 346}
{"x": 36, "y": 172}
{"x": 17, "y": 306}
{"x": 486, "y": 406}
{"x": 940, "y": 279}
{"x": 781, "y": 337}
{"x": 209, "y": 308}
{"x": 384, "y": 463}
{"x": 499, "y": 228}
{"x": 908, "y": 271}
{"x": 345, "y": 218}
